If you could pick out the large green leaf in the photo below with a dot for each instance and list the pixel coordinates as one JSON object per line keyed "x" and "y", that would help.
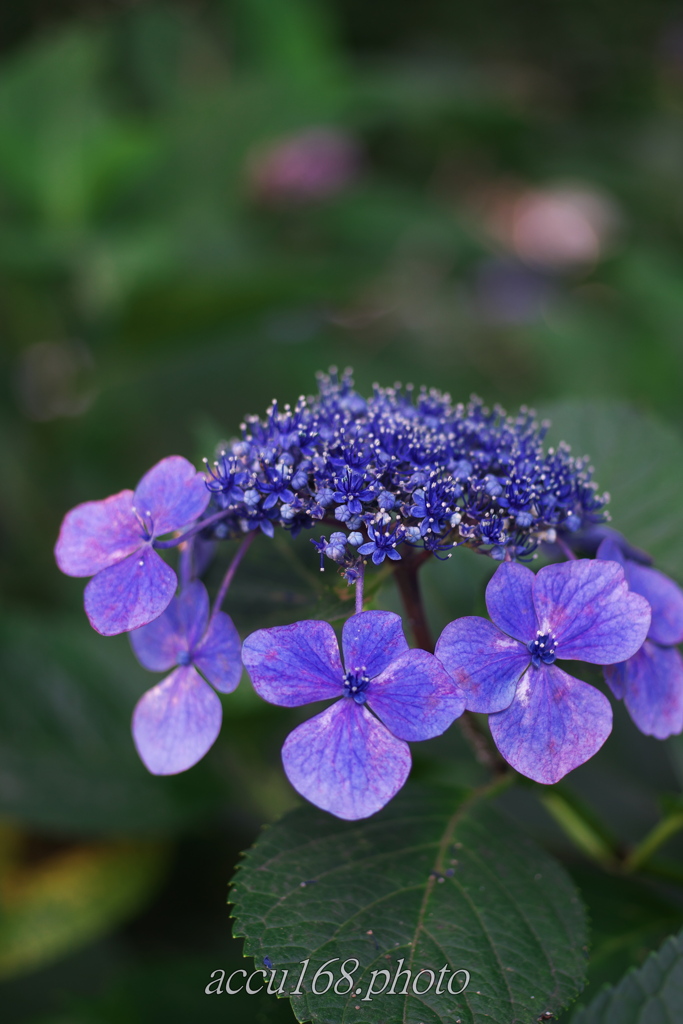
{"x": 436, "y": 879}
{"x": 638, "y": 459}
{"x": 653, "y": 994}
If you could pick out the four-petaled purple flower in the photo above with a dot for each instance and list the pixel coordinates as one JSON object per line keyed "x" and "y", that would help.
{"x": 651, "y": 681}
{"x": 544, "y": 721}
{"x": 113, "y": 541}
{"x": 178, "y": 720}
{"x": 345, "y": 760}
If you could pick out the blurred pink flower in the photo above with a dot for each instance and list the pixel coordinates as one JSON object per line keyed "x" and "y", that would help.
{"x": 557, "y": 227}
{"x": 313, "y": 164}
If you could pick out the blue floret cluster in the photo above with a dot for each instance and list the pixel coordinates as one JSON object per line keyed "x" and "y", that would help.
{"x": 404, "y": 467}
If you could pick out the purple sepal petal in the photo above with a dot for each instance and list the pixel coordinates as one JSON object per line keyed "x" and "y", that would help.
{"x": 553, "y": 725}
{"x": 158, "y": 644}
{"x": 98, "y": 534}
{"x": 665, "y": 599}
{"x": 588, "y": 606}
{"x": 173, "y": 493}
{"x": 484, "y": 663}
{"x": 176, "y": 722}
{"x": 372, "y": 640}
{"x": 297, "y": 664}
{"x": 651, "y": 683}
{"x": 510, "y": 603}
{"x": 610, "y": 551}
{"x": 345, "y": 761}
{"x": 415, "y": 697}
{"x": 663, "y": 595}
{"x": 218, "y": 655}
{"x": 129, "y": 594}
{"x": 615, "y": 676}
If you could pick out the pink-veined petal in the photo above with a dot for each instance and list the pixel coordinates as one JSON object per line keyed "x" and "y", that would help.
{"x": 554, "y": 724}
{"x": 663, "y": 595}
{"x": 129, "y": 594}
{"x": 218, "y": 654}
{"x": 176, "y": 722}
{"x": 588, "y": 606}
{"x": 484, "y": 663}
{"x": 651, "y": 684}
{"x": 415, "y": 697}
{"x": 171, "y": 494}
{"x": 98, "y": 534}
{"x": 372, "y": 640}
{"x": 345, "y": 761}
{"x": 510, "y": 602}
{"x": 665, "y": 599}
{"x": 159, "y": 645}
{"x": 297, "y": 664}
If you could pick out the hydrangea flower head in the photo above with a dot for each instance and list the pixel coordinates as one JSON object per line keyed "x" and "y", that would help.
{"x": 177, "y": 721}
{"x": 402, "y": 467}
{"x": 651, "y": 681}
{"x": 112, "y": 540}
{"x": 544, "y": 721}
{"x": 347, "y": 760}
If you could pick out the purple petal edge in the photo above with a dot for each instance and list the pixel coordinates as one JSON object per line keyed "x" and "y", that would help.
{"x": 415, "y": 697}
{"x": 651, "y": 685}
{"x": 176, "y": 722}
{"x": 345, "y": 761}
{"x": 293, "y": 665}
{"x": 509, "y": 601}
{"x": 372, "y": 640}
{"x": 485, "y": 663}
{"x": 98, "y": 534}
{"x": 588, "y": 606}
{"x": 129, "y": 594}
{"x": 173, "y": 493}
{"x": 217, "y": 656}
{"x": 159, "y": 644}
{"x": 554, "y": 724}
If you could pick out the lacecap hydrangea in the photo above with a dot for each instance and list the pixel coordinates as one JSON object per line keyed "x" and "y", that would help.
{"x": 392, "y": 480}
{"x": 403, "y": 468}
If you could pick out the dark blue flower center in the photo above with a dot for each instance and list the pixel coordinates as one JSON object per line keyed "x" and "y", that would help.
{"x": 184, "y": 658}
{"x": 542, "y": 649}
{"x": 355, "y": 685}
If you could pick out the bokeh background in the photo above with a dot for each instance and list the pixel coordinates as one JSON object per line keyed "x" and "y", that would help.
{"x": 201, "y": 204}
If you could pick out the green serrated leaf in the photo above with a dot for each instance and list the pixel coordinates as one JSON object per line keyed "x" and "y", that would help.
{"x": 652, "y": 994}
{"x": 636, "y": 459}
{"x": 436, "y": 879}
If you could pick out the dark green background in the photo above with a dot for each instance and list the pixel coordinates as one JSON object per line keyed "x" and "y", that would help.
{"x": 149, "y": 299}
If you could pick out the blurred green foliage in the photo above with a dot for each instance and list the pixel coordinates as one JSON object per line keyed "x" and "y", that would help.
{"x": 156, "y": 285}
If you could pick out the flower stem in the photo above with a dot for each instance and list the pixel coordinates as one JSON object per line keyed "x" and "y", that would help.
{"x": 232, "y": 569}
{"x": 565, "y": 549}
{"x": 409, "y": 589}
{"x": 360, "y": 582}
{"x": 186, "y": 562}
{"x": 175, "y": 541}
{"x": 577, "y": 826}
{"x": 666, "y": 828}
